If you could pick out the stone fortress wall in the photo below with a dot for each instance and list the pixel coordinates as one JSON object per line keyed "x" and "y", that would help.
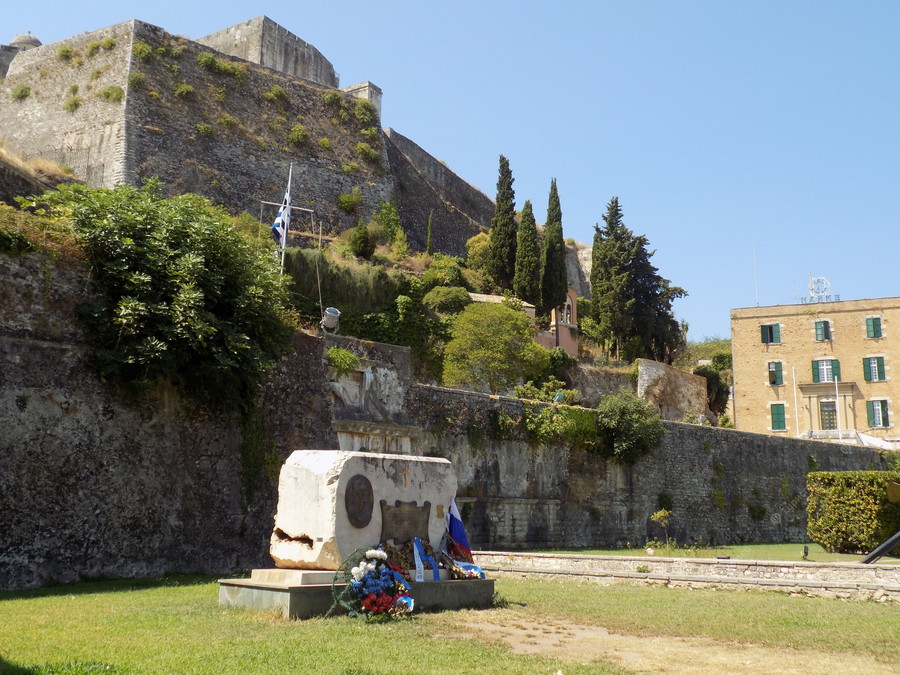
{"x": 225, "y": 139}
{"x": 95, "y": 482}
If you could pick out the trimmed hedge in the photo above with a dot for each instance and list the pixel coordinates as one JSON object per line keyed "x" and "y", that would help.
{"x": 849, "y": 512}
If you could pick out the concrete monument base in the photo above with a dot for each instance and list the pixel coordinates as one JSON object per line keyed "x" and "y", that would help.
{"x": 302, "y": 594}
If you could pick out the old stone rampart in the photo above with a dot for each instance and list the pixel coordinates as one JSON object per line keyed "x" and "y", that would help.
{"x": 96, "y": 481}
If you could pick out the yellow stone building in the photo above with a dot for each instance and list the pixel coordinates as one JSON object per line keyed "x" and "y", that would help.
{"x": 820, "y": 370}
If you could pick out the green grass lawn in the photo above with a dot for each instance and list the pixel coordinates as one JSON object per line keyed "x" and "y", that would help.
{"x": 779, "y": 552}
{"x": 176, "y": 626}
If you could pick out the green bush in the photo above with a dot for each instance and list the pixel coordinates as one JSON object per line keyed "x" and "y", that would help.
{"x": 92, "y": 48}
{"x": 324, "y": 143}
{"x": 14, "y": 242}
{"x": 72, "y": 104}
{"x": 350, "y": 168}
{"x": 362, "y": 243}
{"x": 108, "y": 43}
{"x": 227, "y": 121}
{"x": 348, "y": 202}
{"x": 371, "y": 133}
{"x": 444, "y": 270}
{"x": 208, "y": 61}
{"x": 64, "y": 52}
{"x": 849, "y": 512}
{"x": 628, "y": 427}
{"x": 183, "y": 296}
{"x": 205, "y": 130}
{"x": 276, "y": 94}
{"x": 112, "y": 94}
{"x": 364, "y": 111}
{"x": 447, "y": 299}
{"x": 367, "y": 152}
{"x": 136, "y": 79}
{"x": 342, "y": 361}
{"x": 332, "y": 98}
{"x": 142, "y": 51}
{"x": 184, "y": 91}
{"x": 298, "y": 135}
{"x": 21, "y": 92}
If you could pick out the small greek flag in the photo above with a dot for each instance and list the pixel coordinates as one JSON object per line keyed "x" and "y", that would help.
{"x": 283, "y": 220}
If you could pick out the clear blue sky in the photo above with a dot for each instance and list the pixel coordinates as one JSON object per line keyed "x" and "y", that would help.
{"x": 753, "y": 143}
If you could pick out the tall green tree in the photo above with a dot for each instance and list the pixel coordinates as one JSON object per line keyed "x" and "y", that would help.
{"x": 502, "y": 254}
{"x": 527, "y": 279}
{"x": 631, "y": 302}
{"x": 554, "y": 280}
{"x": 492, "y": 347}
{"x": 428, "y": 247}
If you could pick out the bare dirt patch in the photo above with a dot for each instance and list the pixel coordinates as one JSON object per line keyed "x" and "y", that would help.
{"x": 657, "y": 654}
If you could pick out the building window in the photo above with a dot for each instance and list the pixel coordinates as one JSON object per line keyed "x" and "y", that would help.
{"x": 873, "y": 327}
{"x": 877, "y": 412}
{"x": 770, "y": 333}
{"x": 775, "y": 376}
{"x": 823, "y": 331}
{"x": 778, "y": 423}
{"x": 826, "y": 370}
{"x": 873, "y": 369}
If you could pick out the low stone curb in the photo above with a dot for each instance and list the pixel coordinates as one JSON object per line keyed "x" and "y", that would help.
{"x": 838, "y": 580}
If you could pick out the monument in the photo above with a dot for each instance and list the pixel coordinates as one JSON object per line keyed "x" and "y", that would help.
{"x": 339, "y": 511}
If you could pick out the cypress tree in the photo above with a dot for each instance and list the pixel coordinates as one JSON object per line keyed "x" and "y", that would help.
{"x": 502, "y": 254}
{"x": 428, "y": 249}
{"x": 527, "y": 279}
{"x": 554, "y": 279}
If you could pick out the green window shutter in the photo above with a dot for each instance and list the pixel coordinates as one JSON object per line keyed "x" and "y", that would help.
{"x": 877, "y": 324}
{"x": 815, "y": 369}
{"x": 870, "y": 327}
{"x": 836, "y": 370}
{"x": 879, "y": 364}
{"x": 870, "y": 413}
{"x": 822, "y": 332}
{"x": 867, "y": 370}
{"x": 779, "y": 379}
{"x": 778, "y": 417}
{"x": 884, "y": 414}
{"x": 764, "y": 334}
{"x": 776, "y": 332}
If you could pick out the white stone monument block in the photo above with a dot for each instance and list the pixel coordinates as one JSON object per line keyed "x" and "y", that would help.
{"x": 332, "y": 502}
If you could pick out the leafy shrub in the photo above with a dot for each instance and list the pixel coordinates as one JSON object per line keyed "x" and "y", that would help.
{"x": 550, "y": 391}
{"x": 21, "y": 92}
{"x": 142, "y": 51}
{"x": 560, "y": 361}
{"x": 298, "y": 135}
{"x": 371, "y": 133}
{"x": 364, "y": 111}
{"x": 628, "y": 427}
{"x": 367, "y": 152}
{"x": 108, "y": 43}
{"x": 112, "y": 94}
{"x": 184, "y": 297}
{"x": 136, "y": 79}
{"x": 92, "y": 48}
{"x": 97, "y": 73}
{"x": 348, "y": 202}
{"x": 175, "y": 51}
{"x": 208, "y": 61}
{"x": 73, "y": 89}
{"x": 447, "y": 299}
{"x": 332, "y": 98}
{"x": 77, "y": 62}
{"x": 350, "y": 168}
{"x": 72, "y": 104}
{"x": 184, "y": 91}
{"x": 174, "y": 69}
{"x": 849, "y": 512}
{"x": 342, "y": 361}
{"x": 227, "y": 121}
{"x": 13, "y": 242}
{"x": 64, "y": 52}
{"x": 388, "y": 219}
{"x": 205, "y": 130}
{"x": 276, "y": 94}
{"x": 324, "y": 143}
{"x": 362, "y": 243}
{"x": 444, "y": 270}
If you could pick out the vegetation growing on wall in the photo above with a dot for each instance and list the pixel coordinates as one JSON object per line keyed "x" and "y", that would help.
{"x": 183, "y": 296}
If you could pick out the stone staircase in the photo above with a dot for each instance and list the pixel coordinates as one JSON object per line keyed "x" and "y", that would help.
{"x": 879, "y": 582}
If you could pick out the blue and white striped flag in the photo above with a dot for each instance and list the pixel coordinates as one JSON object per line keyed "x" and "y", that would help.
{"x": 283, "y": 219}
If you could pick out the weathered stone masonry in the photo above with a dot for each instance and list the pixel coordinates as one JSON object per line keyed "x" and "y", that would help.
{"x": 93, "y": 482}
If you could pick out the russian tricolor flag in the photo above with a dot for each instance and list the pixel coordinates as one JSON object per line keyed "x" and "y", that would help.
{"x": 457, "y": 532}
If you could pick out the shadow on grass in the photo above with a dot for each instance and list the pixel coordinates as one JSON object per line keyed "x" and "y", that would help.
{"x": 67, "y": 668}
{"x": 108, "y": 586}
